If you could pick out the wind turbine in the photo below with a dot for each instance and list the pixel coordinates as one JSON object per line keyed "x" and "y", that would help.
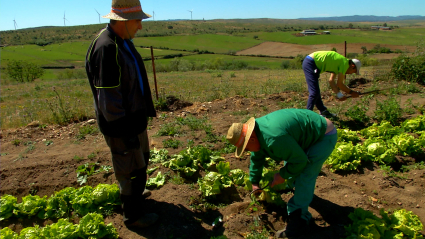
{"x": 98, "y": 14}
{"x": 190, "y": 13}
{"x": 64, "y": 19}
{"x": 15, "y": 24}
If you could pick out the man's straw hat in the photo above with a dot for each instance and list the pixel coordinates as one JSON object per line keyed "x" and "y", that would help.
{"x": 124, "y": 10}
{"x": 239, "y": 136}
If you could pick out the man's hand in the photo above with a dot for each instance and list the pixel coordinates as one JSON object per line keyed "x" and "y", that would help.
{"x": 277, "y": 180}
{"x": 256, "y": 189}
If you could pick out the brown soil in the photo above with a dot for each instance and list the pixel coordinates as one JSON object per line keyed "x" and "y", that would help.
{"x": 280, "y": 49}
{"x": 46, "y": 169}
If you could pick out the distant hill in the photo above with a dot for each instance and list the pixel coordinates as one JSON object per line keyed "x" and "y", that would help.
{"x": 366, "y": 18}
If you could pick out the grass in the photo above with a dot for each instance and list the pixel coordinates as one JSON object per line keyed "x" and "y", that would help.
{"x": 23, "y": 103}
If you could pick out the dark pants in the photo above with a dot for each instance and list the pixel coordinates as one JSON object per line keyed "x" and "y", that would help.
{"x": 130, "y": 165}
{"x": 312, "y": 75}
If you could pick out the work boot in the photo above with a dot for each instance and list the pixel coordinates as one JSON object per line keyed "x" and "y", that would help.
{"x": 296, "y": 226}
{"x": 146, "y": 193}
{"x": 327, "y": 114}
{"x": 145, "y": 221}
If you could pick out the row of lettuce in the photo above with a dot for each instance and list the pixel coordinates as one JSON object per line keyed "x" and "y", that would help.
{"x": 379, "y": 143}
{"x": 82, "y": 201}
{"x": 91, "y": 225}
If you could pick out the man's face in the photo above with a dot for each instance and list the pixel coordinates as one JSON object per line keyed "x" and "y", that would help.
{"x": 133, "y": 26}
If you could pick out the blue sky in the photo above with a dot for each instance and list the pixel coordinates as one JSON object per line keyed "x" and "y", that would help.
{"x": 31, "y": 13}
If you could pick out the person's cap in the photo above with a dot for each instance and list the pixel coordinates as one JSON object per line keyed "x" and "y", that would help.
{"x": 358, "y": 65}
{"x": 239, "y": 135}
{"x": 124, "y": 10}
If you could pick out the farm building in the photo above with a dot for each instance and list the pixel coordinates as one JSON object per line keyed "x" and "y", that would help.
{"x": 326, "y": 32}
{"x": 308, "y": 32}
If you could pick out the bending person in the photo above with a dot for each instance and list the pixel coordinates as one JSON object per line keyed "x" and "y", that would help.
{"x": 328, "y": 61}
{"x": 303, "y": 140}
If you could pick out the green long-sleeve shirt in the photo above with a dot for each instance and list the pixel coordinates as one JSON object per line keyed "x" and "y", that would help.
{"x": 285, "y": 135}
{"x": 330, "y": 61}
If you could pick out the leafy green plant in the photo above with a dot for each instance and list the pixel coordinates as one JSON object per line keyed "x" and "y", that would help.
{"x": 411, "y": 68}
{"x": 157, "y": 181}
{"x": 88, "y": 169}
{"x": 169, "y": 129}
{"x": 399, "y": 224}
{"x": 7, "y": 204}
{"x": 358, "y": 111}
{"x": 16, "y": 142}
{"x": 388, "y": 110}
{"x": 171, "y": 143}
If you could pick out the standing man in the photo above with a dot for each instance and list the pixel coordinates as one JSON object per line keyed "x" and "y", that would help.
{"x": 123, "y": 103}
{"x": 328, "y": 61}
{"x": 303, "y": 140}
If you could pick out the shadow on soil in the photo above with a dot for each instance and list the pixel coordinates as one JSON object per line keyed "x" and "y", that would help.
{"x": 176, "y": 221}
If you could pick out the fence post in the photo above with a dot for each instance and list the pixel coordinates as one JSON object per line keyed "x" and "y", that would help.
{"x": 154, "y": 73}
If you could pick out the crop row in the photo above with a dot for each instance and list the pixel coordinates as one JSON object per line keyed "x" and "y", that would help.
{"x": 90, "y": 226}
{"x": 380, "y": 143}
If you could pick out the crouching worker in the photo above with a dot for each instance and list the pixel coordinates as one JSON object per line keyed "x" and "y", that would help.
{"x": 303, "y": 140}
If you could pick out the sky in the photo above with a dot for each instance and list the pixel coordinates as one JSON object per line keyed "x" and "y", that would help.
{"x": 31, "y": 13}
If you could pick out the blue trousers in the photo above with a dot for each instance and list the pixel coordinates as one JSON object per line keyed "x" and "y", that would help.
{"x": 312, "y": 75}
{"x": 305, "y": 183}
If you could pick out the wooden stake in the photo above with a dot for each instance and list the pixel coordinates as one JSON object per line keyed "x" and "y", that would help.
{"x": 154, "y": 73}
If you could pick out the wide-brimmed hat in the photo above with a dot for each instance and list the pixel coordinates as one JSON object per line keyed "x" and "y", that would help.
{"x": 358, "y": 65}
{"x": 239, "y": 135}
{"x": 124, "y": 10}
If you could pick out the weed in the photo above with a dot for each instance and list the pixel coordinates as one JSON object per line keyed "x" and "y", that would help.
{"x": 77, "y": 158}
{"x": 258, "y": 234}
{"x": 3, "y": 154}
{"x": 232, "y": 74}
{"x": 177, "y": 179}
{"x": 48, "y": 142}
{"x": 388, "y": 172}
{"x": 91, "y": 156}
{"x": 240, "y": 112}
{"x": 192, "y": 122}
{"x": 42, "y": 126}
{"x": 388, "y": 110}
{"x": 16, "y": 142}
{"x": 85, "y": 130}
{"x": 358, "y": 112}
{"x": 190, "y": 143}
{"x": 169, "y": 129}
{"x": 171, "y": 143}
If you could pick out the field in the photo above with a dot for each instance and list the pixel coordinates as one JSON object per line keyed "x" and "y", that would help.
{"x": 41, "y": 152}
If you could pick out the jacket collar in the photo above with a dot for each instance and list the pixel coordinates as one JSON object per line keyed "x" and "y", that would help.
{"x": 113, "y": 35}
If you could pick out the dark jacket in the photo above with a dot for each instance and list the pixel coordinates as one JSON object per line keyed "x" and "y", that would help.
{"x": 121, "y": 108}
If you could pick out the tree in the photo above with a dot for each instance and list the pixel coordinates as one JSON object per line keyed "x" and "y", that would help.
{"x": 364, "y": 49}
{"x": 350, "y": 25}
{"x": 22, "y": 71}
{"x": 385, "y": 24}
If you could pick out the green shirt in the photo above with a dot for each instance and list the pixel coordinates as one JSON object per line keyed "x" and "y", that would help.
{"x": 330, "y": 61}
{"x": 285, "y": 135}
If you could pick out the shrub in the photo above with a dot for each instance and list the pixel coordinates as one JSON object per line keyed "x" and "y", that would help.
{"x": 22, "y": 71}
{"x": 411, "y": 68}
{"x": 388, "y": 110}
{"x": 366, "y": 60}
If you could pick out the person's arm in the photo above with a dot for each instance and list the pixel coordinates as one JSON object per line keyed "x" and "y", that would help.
{"x": 332, "y": 83}
{"x": 343, "y": 87}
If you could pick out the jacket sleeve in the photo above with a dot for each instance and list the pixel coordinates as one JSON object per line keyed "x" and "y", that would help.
{"x": 257, "y": 161}
{"x": 287, "y": 149}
